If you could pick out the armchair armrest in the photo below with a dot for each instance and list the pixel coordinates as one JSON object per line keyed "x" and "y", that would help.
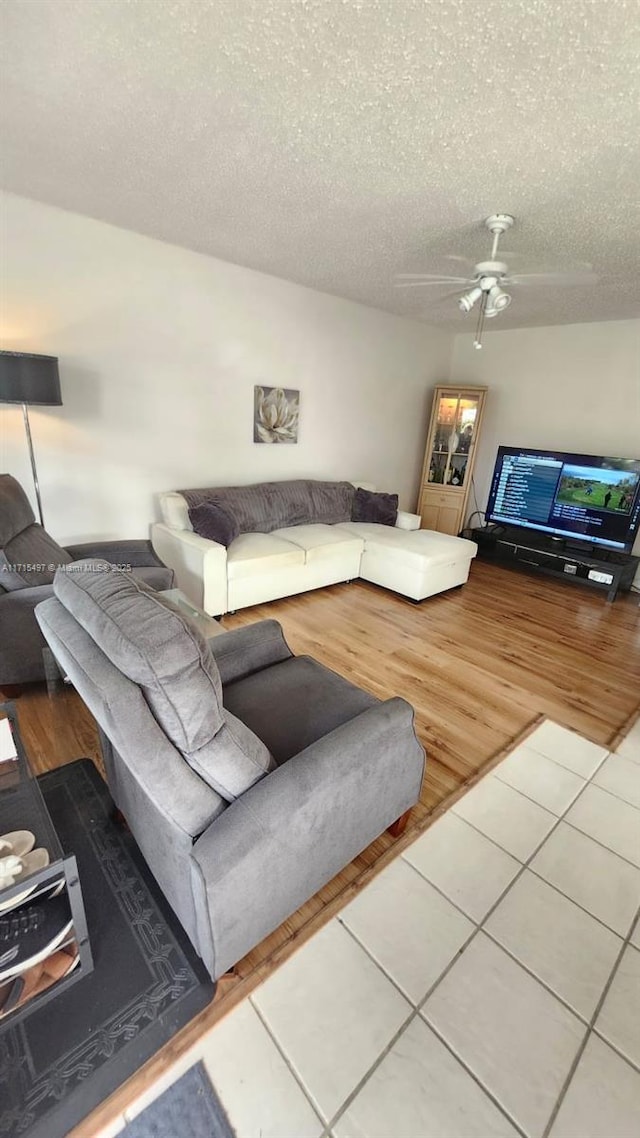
{"x": 200, "y": 566}
{"x": 408, "y": 521}
{"x": 249, "y": 649}
{"x": 136, "y": 552}
{"x": 290, "y": 833}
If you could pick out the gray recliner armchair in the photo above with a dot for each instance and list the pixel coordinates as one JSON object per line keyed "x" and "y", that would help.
{"x": 29, "y": 557}
{"x": 248, "y": 776}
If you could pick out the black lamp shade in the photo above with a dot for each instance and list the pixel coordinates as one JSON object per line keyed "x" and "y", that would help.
{"x": 28, "y": 378}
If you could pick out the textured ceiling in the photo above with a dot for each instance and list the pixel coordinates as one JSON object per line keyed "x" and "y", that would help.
{"x": 339, "y": 142}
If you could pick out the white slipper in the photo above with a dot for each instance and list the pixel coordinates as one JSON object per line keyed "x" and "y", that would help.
{"x": 31, "y": 862}
{"x": 10, "y": 870}
{"x": 14, "y": 868}
{"x": 18, "y": 842}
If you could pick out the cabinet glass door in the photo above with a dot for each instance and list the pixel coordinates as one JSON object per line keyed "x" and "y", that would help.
{"x": 446, "y": 418}
{"x": 464, "y": 437}
{"x": 453, "y": 438}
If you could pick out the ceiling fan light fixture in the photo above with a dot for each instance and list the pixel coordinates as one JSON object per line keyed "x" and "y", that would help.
{"x": 468, "y": 299}
{"x": 498, "y": 299}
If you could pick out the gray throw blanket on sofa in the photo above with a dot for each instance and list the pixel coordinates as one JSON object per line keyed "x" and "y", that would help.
{"x": 265, "y": 506}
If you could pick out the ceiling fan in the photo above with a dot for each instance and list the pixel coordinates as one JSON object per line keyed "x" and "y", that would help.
{"x": 490, "y": 278}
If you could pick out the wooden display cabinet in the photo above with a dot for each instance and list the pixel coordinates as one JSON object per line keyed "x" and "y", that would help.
{"x": 454, "y": 430}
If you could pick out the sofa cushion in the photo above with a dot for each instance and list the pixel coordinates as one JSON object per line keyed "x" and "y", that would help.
{"x": 253, "y": 554}
{"x": 293, "y": 703}
{"x": 175, "y": 511}
{"x": 155, "y": 645}
{"x": 214, "y": 522}
{"x": 320, "y": 542}
{"x": 31, "y": 558}
{"x": 414, "y": 548}
{"x": 267, "y": 506}
{"x": 370, "y": 507}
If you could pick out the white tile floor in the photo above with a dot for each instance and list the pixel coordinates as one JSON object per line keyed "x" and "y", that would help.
{"x": 484, "y": 985}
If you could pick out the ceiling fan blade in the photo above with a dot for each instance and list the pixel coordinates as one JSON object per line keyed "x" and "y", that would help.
{"x": 425, "y": 284}
{"x": 404, "y": 279}
{"x": 575, "y": 279}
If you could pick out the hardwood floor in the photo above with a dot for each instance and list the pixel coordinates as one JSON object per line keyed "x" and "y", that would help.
{"x": 480, "y": 665}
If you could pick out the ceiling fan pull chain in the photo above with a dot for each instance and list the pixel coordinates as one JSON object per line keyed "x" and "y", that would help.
{"x": 477, "y": 343}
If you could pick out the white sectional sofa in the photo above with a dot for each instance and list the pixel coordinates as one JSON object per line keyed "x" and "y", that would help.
{"x": 264, "y": 566}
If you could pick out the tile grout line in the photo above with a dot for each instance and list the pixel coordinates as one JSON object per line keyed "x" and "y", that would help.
{"x": 613, "y": 793}
{"x": 561, "y": 999}
{"x": 561, "y": 818}
{"x": 289, "y": 1065}
{"x": 471, "y": 825}
{"x": 535, "y": 872}
{"x": 474, "y": 920}
{"x": 354, "y": 936}
{"x": 476, "y": 1078}
{"x": 590, "y": 1031}
{"x": 566, "y": 896}
{"x": 371, "y": 1070}
{"x": 524, "y": 794}
{"x": 557, "y": 819}
{"x": 586, "y": 781}
{"x": 601, "y": 844}
{"x": 415, "y": 1015}
{"x": 557, "y": 762}
{"x": 492, "y": 775}
{"x": 614, "y": 1047}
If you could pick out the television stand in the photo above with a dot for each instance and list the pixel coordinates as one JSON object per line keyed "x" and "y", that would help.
{"x": 605, "y": 569}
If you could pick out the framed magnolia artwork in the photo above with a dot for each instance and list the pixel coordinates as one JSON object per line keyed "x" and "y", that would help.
{"x": 275, "y": 414}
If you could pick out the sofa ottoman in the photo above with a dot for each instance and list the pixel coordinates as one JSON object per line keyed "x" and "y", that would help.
{"x": 416, "y": 563}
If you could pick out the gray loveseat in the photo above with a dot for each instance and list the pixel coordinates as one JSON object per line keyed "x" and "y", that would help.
{"x": 28, "y": 559}
{"x": 248, "y": 776}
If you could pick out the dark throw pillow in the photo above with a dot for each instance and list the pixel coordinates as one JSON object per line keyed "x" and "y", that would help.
{"x": 370, "y": 507}
{"x": 213, "y": 522}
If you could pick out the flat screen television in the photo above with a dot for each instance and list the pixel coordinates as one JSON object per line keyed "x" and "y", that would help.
{"x": 583, "y": 499}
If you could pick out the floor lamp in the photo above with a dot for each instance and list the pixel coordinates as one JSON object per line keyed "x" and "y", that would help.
{"x": 30, "y": 380}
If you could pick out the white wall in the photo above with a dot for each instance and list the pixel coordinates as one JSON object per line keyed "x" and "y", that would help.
{"x": 574, "y": 388}
{"x": 159, "y": 352}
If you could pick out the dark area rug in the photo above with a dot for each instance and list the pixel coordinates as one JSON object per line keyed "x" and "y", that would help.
{"x": 190, "y": 1109}
{"x": 59, "y": 1063}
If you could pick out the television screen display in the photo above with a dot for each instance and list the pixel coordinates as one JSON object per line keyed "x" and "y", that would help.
{"x": 581, "y": 497}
